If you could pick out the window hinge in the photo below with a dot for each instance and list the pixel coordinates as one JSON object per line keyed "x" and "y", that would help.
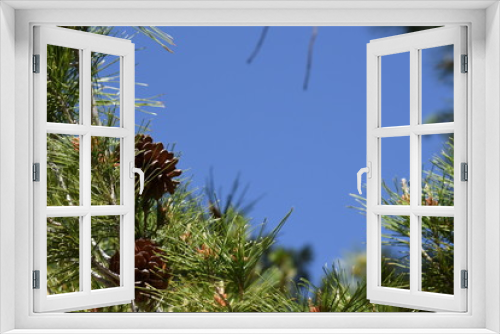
{"x": 36, "y": 172}
{"x": 464, "y": 171}
{"x": 36, "y": 63}
{"x": 465, "y": 64}
{"x": 465, "y": 279}
{"x": 36, "y": 279}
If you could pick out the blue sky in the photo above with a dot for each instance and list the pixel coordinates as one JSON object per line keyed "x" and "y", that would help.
{"x": 298, "y": 149}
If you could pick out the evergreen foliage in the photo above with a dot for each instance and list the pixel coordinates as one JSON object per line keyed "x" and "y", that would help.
{"x": 198, "y": 257}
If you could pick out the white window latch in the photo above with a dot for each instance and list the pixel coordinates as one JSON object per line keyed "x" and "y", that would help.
{"x": 134, "y": 170}
{"x": 368, "y": 171}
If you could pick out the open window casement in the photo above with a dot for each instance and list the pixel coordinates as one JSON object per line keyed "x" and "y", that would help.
{"x": 84, "y": 212}
{"x": 413, "y": 211}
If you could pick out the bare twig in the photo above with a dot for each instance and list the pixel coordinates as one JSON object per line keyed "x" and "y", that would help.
{"x": 100, "y": 250}
{"x": 259, "y": 44}
{"x": 62, "y": 184}
{"x": 312, "y": 40}
{"x": 102, "y": 280}
{"x": 95, "y": 112}
{"x": 134, "y": 307}
{"x": 105, "y": 271}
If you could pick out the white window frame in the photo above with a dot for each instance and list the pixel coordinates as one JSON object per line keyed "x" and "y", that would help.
{"x": 86, "y": 43}
{"x": 16, "y": 21}
{"x": 413, "y": 44}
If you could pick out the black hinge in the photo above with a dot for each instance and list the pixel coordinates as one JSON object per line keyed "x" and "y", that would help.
{"x": 465, "y": 279}
{"x": 36, "y": 63}
{"x": 36, "y": 279}
{"x": 36, "y": 172}
{"x": 465, "y": 64}
{"x": 464, "y": 171}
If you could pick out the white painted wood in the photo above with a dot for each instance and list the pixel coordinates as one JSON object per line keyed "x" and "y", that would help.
{"x": 460, "y": 155}
{"x": 418, "y": 129}
{"x": 437, "y": 128}
{"x": 415, "y": 163}
{"x": 406, "y": 210}
{"x": 392, "y": 131}
{"x": 83, "y": 40}
{"x": 86, "y": 297}
{"x": 127, "y": 237}
{"x": 413, "y": 43}
{"x": 74, "y": 129}
{"x": 248, "y": 4}
{"x": 7, "y": 167}
{"x": 257, "y": 331}
{"x": 373, "y": 120}
{"x": 85, "y": 183}
{"x": 491, "y": 162}
{"x": 482, "y": 40}
{"x": 76, "y": 211}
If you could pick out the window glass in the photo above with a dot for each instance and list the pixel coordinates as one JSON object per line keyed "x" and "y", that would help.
{"x": 395, "y": 250}
{"x": 395, "y": 171}
{"x": 395, "y": 92}
{"x": 105, "y": 252}
{"x": 105, "y": 163}
{"x": 63, "y": 255}
{"x": 63, "y": 170}
{"x": 437, "y": 254}
{"x": 437, "y": 84}
{"x": 106, "y": 89}
{"x": 63, "y": 85}
{"x": 437, "y": 170}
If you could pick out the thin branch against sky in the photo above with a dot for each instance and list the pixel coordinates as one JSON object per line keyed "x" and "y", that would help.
{"x": 310, "y": 51}
{"x": 259, "y": 44}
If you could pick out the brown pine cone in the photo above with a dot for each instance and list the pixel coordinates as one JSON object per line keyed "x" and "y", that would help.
{"x": 150, "y": 268}
{"x": 158, "y": 165}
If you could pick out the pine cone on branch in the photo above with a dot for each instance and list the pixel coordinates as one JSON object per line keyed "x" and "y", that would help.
{"x": 150, "y": 267}
{"x": 158, "y": 165}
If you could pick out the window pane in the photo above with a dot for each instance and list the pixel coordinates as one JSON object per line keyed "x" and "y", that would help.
{"x": 63, "y": 85}
{"x": 437, "y": 170}
{"x": 395, "y": 252}
{"x": 105, "y": 89}
{"x": 437, "y": 254}
{"x": 63, "y": 255}
{"x": 395, "y": 171}
{"x": 105, "y": 252}
{"x": 105, "y": 171}
{"x": 437, "y": 84}
{"x": 63, "y": 170}
{"x": 395, "y": 90}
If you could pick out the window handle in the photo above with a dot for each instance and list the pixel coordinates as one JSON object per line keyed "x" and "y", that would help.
{"x": 368, "y": 171}
{"x": 134, "y": 170}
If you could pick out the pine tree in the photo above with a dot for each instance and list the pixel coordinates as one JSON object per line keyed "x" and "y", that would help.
{"x": 197, "y": 257}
